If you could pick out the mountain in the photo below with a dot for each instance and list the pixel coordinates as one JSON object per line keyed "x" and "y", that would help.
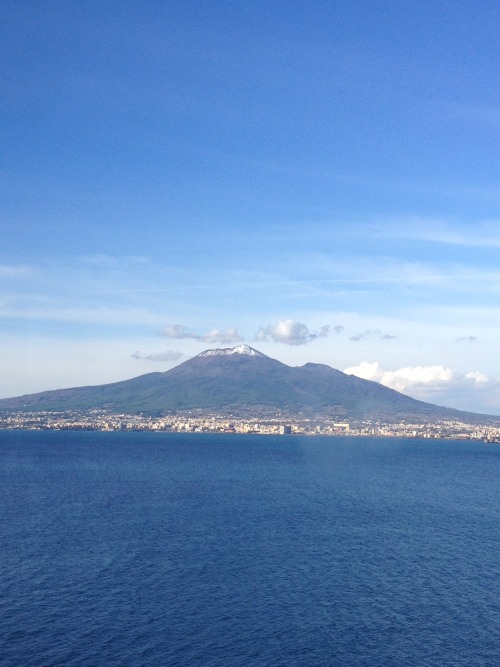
{"x": 237, "y": 377}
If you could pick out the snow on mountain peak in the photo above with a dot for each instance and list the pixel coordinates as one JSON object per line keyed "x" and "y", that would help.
{"x": 239, "y": 349}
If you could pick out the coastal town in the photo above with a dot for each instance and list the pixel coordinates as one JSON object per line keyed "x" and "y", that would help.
{"x": 253, "y": 421}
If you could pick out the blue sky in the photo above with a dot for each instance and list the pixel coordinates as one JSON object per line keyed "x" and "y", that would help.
{"x": 317, "y": 179}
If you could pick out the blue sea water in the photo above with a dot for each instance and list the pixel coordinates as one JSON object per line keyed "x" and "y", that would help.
{"x": 134, "y": 549}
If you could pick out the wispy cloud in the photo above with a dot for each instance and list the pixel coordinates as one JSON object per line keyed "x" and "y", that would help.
{"x": 16, "y": 271}
{"x": 290, "y": 332}
{"x": 167, "y": 355}
{"x": 372, "y": 333}
{"x": 90, "y": 315}
{"x": 481, "y": 234}
{"x": 181, "y": 332}
{"x": 482, "y": 114}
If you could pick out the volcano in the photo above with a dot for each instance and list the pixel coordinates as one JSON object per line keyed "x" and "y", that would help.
{"x": 224, "y": 378}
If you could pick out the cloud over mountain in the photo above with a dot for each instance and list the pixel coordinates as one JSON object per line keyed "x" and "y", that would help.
{"x": 290, "y": 332}
{"x": 179, "y": 332}
{"x": 436, "y": 383}
{"x": 403, "y": 378}
{"x": 167, "y": 355}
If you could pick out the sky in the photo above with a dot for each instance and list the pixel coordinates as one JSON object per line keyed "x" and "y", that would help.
{"x": 317, "y": 179}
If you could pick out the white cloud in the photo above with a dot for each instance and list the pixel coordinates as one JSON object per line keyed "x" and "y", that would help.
{"x": 290, "y": 332}
{"x": 477, "y": 378}
{"x": 473, "y": 391}
{"x": 367, "y": 370}
{"x": 403, "y": 378}
{"x": 179, "y": 331}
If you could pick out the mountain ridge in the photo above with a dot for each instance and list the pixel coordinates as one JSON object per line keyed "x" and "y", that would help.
{"x": 241, "y": 376}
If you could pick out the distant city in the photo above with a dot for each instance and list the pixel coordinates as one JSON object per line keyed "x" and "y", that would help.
{"x": 254, "y": 421}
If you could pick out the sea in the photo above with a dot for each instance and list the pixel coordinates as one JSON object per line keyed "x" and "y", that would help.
{"x": 159, "y": 549}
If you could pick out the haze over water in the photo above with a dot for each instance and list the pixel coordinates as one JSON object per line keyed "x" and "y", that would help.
{"x": 166, "y": 549}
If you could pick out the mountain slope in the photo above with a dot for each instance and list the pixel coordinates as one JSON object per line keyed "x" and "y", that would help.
{"x": 239, "y": 376}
